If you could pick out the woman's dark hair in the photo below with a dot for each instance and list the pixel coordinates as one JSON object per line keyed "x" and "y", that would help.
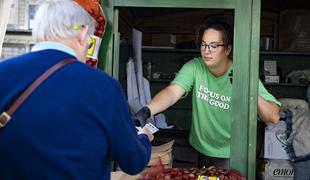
{"x": 224, "y": 28}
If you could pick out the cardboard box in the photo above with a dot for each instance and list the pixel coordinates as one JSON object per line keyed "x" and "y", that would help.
{"x": 275, "y": 141}
{"x": 270, "y": 67}
{"x": 294, "y": 30}
{"x": 162, "y": 155}
{"x": 161, "y": 158}
{"x": 164, "y": 40}
{"x": 120, "y": 175}
{"x": 269, "y": 23}
{"x": 278, "y": 170}
{"x": 272, "y": 79}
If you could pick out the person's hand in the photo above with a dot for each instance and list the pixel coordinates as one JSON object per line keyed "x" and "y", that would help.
{"x": 146, "y": 131}
{"x": 141, "y": 116}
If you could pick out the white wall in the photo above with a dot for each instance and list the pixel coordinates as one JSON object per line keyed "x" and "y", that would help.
{"x": 5, "y": 6}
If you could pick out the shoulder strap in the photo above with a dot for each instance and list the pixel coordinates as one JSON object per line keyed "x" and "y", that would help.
{"x": 6, "y": 115}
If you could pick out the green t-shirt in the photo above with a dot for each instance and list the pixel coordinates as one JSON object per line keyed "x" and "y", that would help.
{"x": 211, "y": 107}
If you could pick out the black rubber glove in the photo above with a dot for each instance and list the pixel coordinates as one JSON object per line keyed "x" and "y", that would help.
{"x": 141, "y": 116}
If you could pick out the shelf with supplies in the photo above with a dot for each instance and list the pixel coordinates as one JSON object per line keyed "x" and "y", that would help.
{"x": 285, "y": 84}
{"x": 172, "y": 49}
{"x": 285, "y": 53}
{"x": 168, "y": 49}
{"x": 291, "y": 70}
{"x": 160, "y": 80}
{"x": 283, "y": 90}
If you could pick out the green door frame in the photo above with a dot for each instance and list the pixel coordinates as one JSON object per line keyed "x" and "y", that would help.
{"x": 246, "y": 62}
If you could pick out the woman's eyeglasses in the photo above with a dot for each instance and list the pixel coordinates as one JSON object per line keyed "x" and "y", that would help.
{"x": 212, "y": 47}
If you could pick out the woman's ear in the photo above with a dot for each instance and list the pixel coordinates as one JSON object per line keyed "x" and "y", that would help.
{"x": 228, "y": 50}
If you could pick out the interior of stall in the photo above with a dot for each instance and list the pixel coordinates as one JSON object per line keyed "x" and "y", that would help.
{"x": 169, "y": 39}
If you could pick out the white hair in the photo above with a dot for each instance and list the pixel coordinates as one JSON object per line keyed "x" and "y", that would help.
{"x": 56, "y": 19}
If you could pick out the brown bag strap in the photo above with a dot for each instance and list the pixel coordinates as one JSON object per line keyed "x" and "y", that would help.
{"x": 6, "y": 115}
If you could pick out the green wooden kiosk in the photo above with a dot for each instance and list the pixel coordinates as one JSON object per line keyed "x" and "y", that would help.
{"x": 246, "y": 62}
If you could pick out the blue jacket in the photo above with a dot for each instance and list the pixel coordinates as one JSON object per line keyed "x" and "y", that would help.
{"x": 71, "y": 127}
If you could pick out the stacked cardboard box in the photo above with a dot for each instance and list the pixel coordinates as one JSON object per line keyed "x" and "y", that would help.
{"x": 161, "y": 158}
{"x": 277, "y": 164}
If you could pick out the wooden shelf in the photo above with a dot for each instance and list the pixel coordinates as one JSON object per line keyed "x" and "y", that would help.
{"x": 168, "y": 49}
{"x": 160, "y": 80}
{"x": 265, "y": 84}
{"x": 285, "y": 84}
{"x": 285, "y": 53}
{"x": 172, "y": 133}
{"x": 171, "y": 49}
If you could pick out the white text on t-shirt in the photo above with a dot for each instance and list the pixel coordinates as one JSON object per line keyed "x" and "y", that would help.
{"x": 213, "y": 98}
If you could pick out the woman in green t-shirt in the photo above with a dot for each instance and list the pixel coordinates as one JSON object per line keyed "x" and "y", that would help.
{"x": 209, "y": 77}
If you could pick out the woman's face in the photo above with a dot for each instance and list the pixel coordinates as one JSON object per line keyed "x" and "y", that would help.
{"x": 212, "y": 48}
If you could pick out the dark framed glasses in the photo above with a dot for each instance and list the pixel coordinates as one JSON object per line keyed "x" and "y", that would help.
{"x": 212, "y": 47}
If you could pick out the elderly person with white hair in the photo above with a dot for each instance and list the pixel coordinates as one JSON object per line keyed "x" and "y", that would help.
{"x": 77, "y": 121}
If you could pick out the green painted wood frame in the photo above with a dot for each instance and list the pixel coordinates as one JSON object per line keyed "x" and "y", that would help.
{"x": 246, "y": 62}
